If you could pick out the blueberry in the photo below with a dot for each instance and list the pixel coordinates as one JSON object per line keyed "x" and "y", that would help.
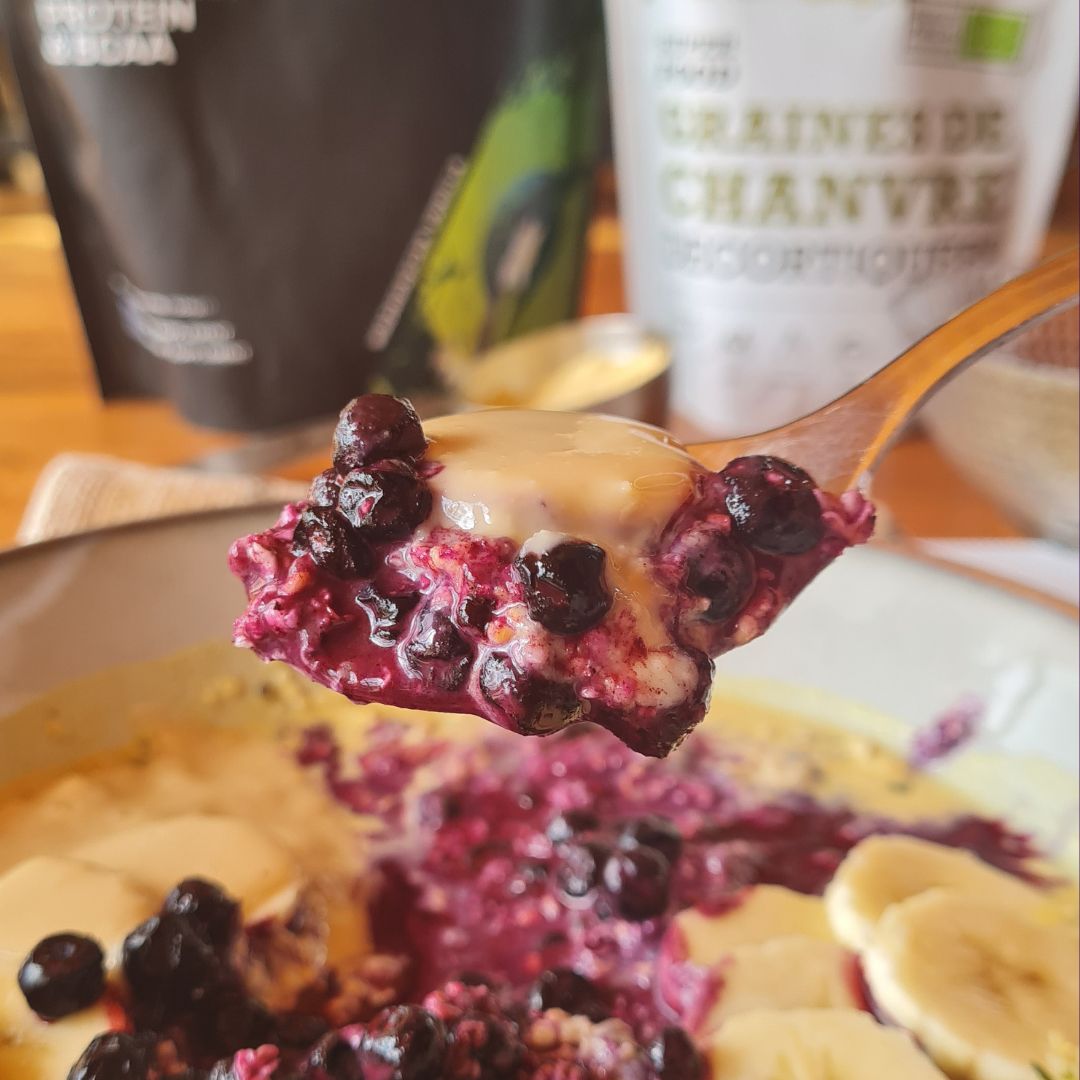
{"x": 335, "y": 548}
{"x": 384, "y": 502}
{"x": 324, "y": 489}
{"x": 114, "y": 1056}
{"x": 565, "y": 590}
{"x": 652, "y": 831}
{"x": 491, "y": 1044}
{"x": 376, "y": 426}
{"x": 570, "y": 823}
{"x": 386, "y": 613}
{"x": 531, "y": 705}
{"x": 299, "y": 1030}
{"x": 475, "y": 611}
{"x": 409, "y": 1039}
{"x": 772, "y": 505}
{"x": 722, "y": 572}
{"x": 208, "y": 908}
{"x": 438, "y": 652}
{"x": 639, "y": 880}
{"x": 169, "y": 965}
{"x": 63, "y": 974}
{"x": 580, "y": 868}
{"x": 333, "y": 1058}
{"x": 228, "y": 1019}
{"x": 674, "y": 1056}
{"x": 561, "y": 988}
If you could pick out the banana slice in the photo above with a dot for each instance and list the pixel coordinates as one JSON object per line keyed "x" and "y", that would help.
{"x": 40, "y": 1051}
{"x": 225, "y": 850}
{"x": 41, "y": 896}
{"x": 786, "y": 973}
{"x": 884, "y": 870}
{"x": 48, "y": 894}
{"x": 979, "y": 982}
{"x": 689, "y": 972}
{"x": 765, "y": 912}
{"x": 814, "y": 1044}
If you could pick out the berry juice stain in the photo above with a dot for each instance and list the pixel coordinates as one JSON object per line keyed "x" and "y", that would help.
{"x": 546, "y": 859}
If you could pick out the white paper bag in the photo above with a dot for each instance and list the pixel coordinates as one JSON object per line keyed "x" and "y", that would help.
{"x": 800, "y": 180}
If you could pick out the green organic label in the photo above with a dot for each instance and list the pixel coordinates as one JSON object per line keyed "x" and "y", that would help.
{"x": 993, "y": 35}
{"x": 505, "y": 258}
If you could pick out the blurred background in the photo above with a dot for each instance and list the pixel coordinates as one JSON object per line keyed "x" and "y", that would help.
{"x": 219, "y": 222}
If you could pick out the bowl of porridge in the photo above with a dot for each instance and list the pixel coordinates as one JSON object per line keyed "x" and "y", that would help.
{"x": 862, "y": 862}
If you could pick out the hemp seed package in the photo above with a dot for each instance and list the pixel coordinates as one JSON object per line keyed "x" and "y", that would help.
{"x": 810, "y": 185}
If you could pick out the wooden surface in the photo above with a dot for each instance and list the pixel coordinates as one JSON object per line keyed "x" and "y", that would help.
{"x": 49, "y": 403}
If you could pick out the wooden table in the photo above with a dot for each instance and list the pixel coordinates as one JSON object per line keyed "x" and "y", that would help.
{"x": 49, "y": 402}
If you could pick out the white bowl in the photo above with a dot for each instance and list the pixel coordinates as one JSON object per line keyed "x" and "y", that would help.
{"x": 1011, "y": 428}
{"x": 880, "y": 642}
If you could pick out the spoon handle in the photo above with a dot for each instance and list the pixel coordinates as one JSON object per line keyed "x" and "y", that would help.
{"x": 840, "y": 443}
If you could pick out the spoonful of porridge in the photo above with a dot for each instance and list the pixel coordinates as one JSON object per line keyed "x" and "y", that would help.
{"x": 540, "y": 568}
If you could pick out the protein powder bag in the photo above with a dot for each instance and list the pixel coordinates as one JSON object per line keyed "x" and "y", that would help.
{"x": 268, "y": 206}
{"x": 809, "y": 185}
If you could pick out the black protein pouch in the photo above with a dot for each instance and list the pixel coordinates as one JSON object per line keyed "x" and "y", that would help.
{"x": 268, "y": 206}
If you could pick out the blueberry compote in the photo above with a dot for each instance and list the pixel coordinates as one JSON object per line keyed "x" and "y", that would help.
{"x": 571, "y": 854}
{"x": 519, "y": 892}
{"x": 533, "y": 568}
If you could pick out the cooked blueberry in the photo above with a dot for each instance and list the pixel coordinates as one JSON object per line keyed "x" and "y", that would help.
{"x": 491, "y": 1044}
{"x": 674, "y": 1056}
{"x": 336, "y": 1058}
{"x": 652, "y": 831}
{"x": 409, "y": 1039}
{"x": 475, "y": 611}
{"x": 386, "y": 613}
{"x": 324, "y": 489}
{"x": 565, "y": 590}
{"x": 722, "y": 572}
{"x": 570, "y": 823}
{"x": 376, "y": 426}
{"x": 228, "y": 1019}
{"x": 772, "y": 505}
{"x": 640, "y": 881}
{"x": 322, "y": 534}
{"x": 386, "y": 502}
{"x": 530, "y": 704}
{"x": 168, "y": 964}
{"x": 561, "y": 988}
{"x": 208, "y": 908}
{"x": 63, "y": 974}
{"x": 114, "y": 1056}
{"x": 580, "y": 866}
{"x": 438, "y": 651}
{"x": 299, "y": 1030}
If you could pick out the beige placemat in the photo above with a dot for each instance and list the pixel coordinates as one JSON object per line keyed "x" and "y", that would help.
{"x": 76, "y": 492}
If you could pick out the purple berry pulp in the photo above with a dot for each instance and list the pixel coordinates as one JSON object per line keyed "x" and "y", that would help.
{"x": 371, "y": 589}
